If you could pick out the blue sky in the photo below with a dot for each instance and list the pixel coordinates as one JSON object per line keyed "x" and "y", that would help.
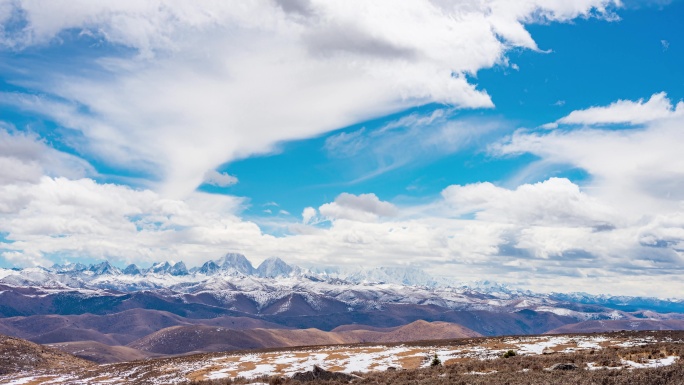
{"x": 529, "y": 141}
{"x": 587, "y": 62}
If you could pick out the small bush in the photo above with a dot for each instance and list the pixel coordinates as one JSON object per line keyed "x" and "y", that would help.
{"x": 510, "y": 353}
{"x": 436, "y": 361}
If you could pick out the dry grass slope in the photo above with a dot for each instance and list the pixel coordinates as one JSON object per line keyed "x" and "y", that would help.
{"x": 187, "y": 339}
{"x": 603, "y": 360}
{"x": 101, "y": 353}
{"x": 523, "y": 370}
{"x": 18, "y": 355}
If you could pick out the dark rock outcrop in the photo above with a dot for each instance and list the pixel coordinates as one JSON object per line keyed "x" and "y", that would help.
{"x": 319, "y": 373}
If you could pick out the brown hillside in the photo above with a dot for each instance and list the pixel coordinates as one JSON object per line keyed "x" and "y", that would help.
{"x": 101, "y": 353}
{"x": 111, "y": 329}
{"x": 422, "y": 330}
{"x": 196, "y": 338}
{"x": 347, "y": 328}
{"x": 200, "y": 338}
{"x": 17, "y": 355}
{"x": 187, "y": 339}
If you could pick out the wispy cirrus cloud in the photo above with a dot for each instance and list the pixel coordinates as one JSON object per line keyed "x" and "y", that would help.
{"x": 412, "y": 140}
{"x": 658, "y": 106}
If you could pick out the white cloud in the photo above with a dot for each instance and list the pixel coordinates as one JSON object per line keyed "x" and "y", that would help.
{"x": 193, "y": 96}
{"x": 308, "y": 215}
{"x": 531, "y": 235}
{"x": 638, "y": 170}
{"x": 363, "y": 208}
{"x": 346, "y": 144}
{"x": 664, "y": 231}
{"x": 220, "y": 179}
{"x": 554, "y": 202}
{"x": 409, "y": 141}
{"x": 665, "y": 44}
{"x": 634, "y": 182}
{"x": 24, "y": 157}
{"x": 213, "y": 82}
{"x": 80, "y": 218}
{"x": 626, "y": 112}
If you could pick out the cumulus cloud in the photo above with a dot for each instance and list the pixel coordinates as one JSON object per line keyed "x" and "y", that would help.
{"x": 626, "y": 112}
{"x": 183, "y": 108}
{"x": 83, "y": 219}
{"x": 634, "y": 183}
{"x": 308, "y": 215}
{"x": 554, "y": 202}
{"x": 363, "y": 208}
{"x": 638, "y": 169}
{"x": 664, "y": 231}
{"x": 550, "y": 220}
{"x": 530, "y": 235}
{"x": 220, "y": 179}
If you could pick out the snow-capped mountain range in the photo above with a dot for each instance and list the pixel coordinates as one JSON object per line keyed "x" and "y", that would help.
{"x": 233, "y": 276}
{"x": 115, "y": 306}
{"x": 104, "y": 275}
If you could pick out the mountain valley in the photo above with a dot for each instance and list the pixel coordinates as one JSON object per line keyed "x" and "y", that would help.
{"x": 113, "y": 314}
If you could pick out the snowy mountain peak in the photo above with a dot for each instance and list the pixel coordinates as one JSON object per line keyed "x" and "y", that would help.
{"x": 68, "y": 267}
{"x": 103, "y": 268}
{"x": 132, "y": 269}
{"x": 236, "y": 262}
{"x": 397, "y": 275}
{"x": 275, "y": 267}
{"x": 178, "y": 269}
{"x": 488, "y": 287}
{"x": 160, "y": 268}
{"x": 209, "y": 268}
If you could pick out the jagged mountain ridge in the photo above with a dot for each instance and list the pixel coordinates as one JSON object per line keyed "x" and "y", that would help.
{"x": 232, "y": 264}
{"x": 233, "y": 278}
{"x": 290, "y": 296}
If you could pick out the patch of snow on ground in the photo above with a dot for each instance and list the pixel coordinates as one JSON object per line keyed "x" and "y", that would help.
{"x": 593, "y": 366}
{"x": 591, "y": 342}
{"x": 653, "y": 363}
{"x": 306, "y": 363}
{"x": 541, "y": 344}
{"x": 260, "y": 370}
{"x": 382, "y": 359}
{"x": 20, "y": 381}
{"x": 479, "y": 352}
{"x": 360, "y": 362}
{"x": 443, "y": 356}
{"x": 217, "y": 375}
{"x": 636, "y": 342}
